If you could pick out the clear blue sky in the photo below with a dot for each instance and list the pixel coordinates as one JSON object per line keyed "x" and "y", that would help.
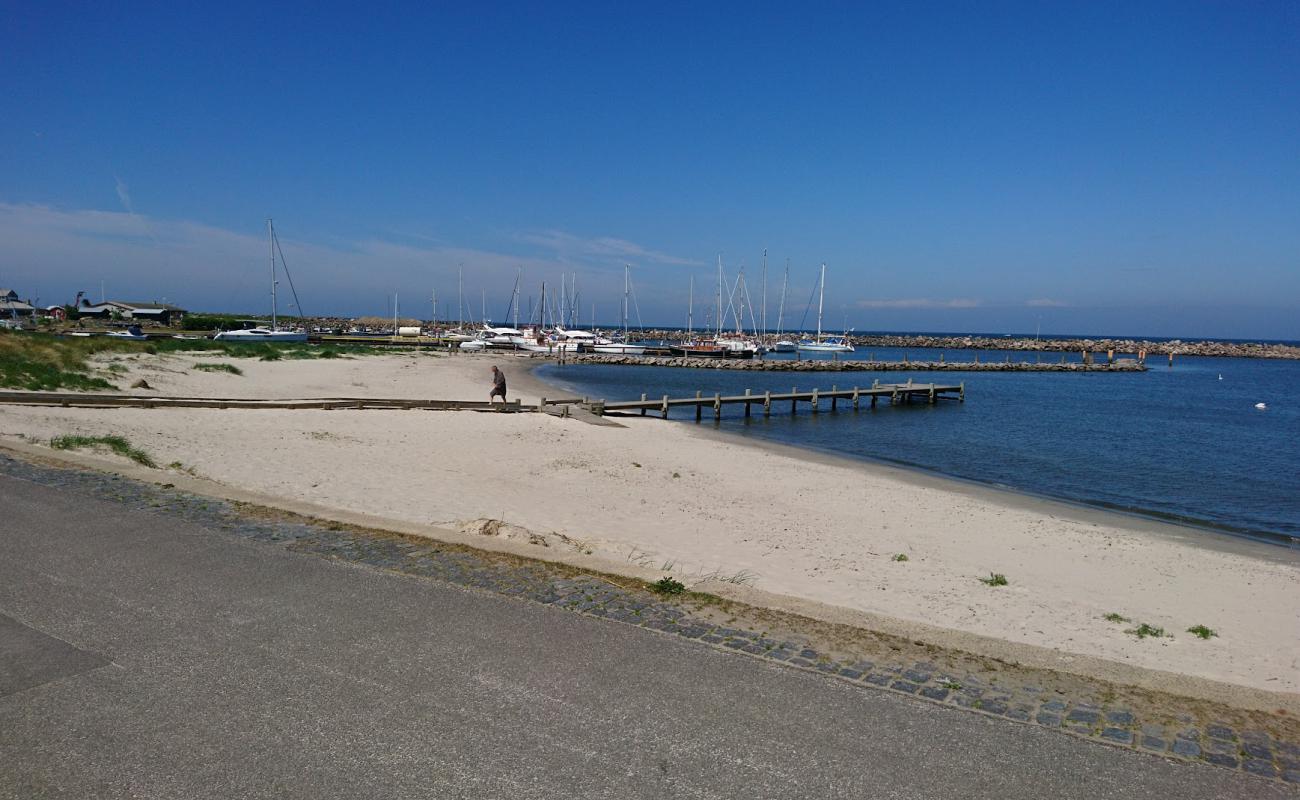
{"x": 1128, "y": 168}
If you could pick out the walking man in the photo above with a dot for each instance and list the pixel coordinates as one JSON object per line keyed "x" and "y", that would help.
{"x": 498, "y": 385}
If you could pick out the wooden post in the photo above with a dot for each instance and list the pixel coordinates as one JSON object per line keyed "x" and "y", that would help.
{"x": 746, "y": 404}
{"x": 833, "y": 397}
{"x": 1171, "y": 358}
{"x": 855, "y": 398}
{"x": 643, "y": 407}
{"x": 665, "y": 407}
{"x": 717, "y": 406}
{"x": 961, "y": 392}
{"x": 793, "y": 407}
{"x": 541, "y": 404}
{"x": 932, "y": 395}
{"x": 767, "y": 403}
{"x": 814, "y": 401}
{"x": 699, "y": 407}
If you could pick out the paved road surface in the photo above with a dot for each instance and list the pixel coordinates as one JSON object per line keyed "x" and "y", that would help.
{"x": 146, "y": 657}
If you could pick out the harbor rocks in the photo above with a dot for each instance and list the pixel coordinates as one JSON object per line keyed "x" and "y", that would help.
{"x": 784, "y": 365}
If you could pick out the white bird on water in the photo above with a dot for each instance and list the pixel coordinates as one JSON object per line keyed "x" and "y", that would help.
{"x": 1261, "y": 406}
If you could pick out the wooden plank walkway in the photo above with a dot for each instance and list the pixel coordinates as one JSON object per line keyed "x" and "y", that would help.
{"x": 894, "y": 392}
{"x": 85, "y": 400}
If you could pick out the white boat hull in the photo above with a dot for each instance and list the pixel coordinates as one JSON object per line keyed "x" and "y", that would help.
{"x": 785, "y": 347}
{"x": 620, "y": 349}
{"x": 826, "y": 347}
{"x": 260, "y": 335}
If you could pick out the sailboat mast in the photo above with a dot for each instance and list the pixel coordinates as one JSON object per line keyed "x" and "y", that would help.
{"x": 270, "y": 241}
{"x": 626, "y": 269}
{"x": 690, "y": 307}
{"x": 763, "y": 314}
{"x": 821, "y": 296}
{"x": 719, "y": 296}
{"x": 780, "y": 314}
{"x": 460, "y": 297}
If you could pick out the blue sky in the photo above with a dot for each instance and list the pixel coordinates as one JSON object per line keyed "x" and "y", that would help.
{"x": 1128, "y": 168}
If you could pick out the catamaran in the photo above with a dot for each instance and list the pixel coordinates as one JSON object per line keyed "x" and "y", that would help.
{"x": 273, "y": 333}
{"x": 829, "y": 344}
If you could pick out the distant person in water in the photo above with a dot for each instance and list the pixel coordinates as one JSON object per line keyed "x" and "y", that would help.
{"x": 498, "y": 385}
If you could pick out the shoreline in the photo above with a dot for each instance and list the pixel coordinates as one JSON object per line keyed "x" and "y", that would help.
{"x": 1259, "y": 536}
{"x": 818, "y": 535}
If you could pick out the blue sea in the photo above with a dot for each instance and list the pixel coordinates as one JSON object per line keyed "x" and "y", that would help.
{"x": 1182, "y": 443}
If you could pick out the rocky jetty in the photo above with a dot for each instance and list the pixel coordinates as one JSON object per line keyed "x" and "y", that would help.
{"x": 783, "y": 365}
{"x": 1152, "y": 348}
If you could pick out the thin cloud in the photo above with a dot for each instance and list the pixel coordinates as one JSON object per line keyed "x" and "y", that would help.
{"x": 602, "y": 247}
{"x": 922, "y": 302}
{"x": 124, "y": 195}
{"x": 1045, "y": 302}
{"x": 206, "y": 267}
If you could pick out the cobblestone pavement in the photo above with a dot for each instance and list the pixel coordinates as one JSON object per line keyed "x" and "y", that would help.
{"x": 1174, "y": 728}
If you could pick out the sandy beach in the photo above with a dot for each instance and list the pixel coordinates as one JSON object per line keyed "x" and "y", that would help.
{"x": 706, "y": 508}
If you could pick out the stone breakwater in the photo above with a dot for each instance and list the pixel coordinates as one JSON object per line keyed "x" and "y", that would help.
{"x": 761, "y": 365}
{"x": 1098, "y": 346}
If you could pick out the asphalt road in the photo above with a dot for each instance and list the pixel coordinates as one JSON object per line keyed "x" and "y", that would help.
{"x": 150, "y": 658}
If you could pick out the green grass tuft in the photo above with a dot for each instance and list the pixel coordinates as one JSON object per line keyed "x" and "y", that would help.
{"x": 667, "y": 585}
{"x": 1113, "y": 617}
{"x": 231, "y": 368}
{"x": 994, "y": 579}
{"x": 1202, "y": 632}
{"x": 900, "y": 557}
{"x": 1144, "y": 630}
{"x": 118, "y": 444}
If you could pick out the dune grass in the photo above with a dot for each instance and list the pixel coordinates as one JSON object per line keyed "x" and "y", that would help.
{"x": 231, "y": 368}
{"x": 118, "y": 444}
{"x": 46, "y": 362}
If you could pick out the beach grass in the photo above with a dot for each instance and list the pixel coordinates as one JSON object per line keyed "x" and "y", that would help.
{"x": 1144, "y": 630}
{"x": 118, "y": 444}
{"x": 994, "y": 579}
{"x": 900, "y": 557}
{"x": 231, "y": 368}
{"x": 1117, "y": 618}
{"x": 1202, "y": 632}
{"x": 47, "y": 362}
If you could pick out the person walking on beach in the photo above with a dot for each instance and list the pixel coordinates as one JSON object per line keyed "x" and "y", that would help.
{"x": 498, "y": 385}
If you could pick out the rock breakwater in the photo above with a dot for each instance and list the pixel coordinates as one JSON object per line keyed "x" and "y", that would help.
{"x": 761, "y": 365}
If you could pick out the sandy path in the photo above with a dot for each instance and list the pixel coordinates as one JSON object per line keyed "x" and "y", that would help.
{"x": 668, "y": 495}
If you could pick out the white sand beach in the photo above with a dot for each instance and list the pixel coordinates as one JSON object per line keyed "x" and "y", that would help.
{"x": 669, "y": 495}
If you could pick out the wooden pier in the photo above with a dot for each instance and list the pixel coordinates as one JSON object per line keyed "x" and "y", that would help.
{"x": 817, "y": 399}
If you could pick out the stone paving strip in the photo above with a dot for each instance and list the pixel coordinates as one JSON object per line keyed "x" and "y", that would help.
{"x": 1168, "y": 726}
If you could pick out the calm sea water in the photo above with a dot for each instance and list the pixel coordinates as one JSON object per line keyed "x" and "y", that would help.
{"x": 1183, "y": 443}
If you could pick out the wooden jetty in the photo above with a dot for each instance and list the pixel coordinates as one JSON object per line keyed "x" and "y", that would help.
{"x": 817, "y": 399}
{"x": 895, "y": 393}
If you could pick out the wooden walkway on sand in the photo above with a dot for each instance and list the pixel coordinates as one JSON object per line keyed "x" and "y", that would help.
{"x": 87, "y": 400}
{"x": 894, "y": 392}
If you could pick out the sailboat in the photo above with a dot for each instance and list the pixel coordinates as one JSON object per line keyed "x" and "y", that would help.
{"x": 784, "y": 344}
{"x": 622, "y": 347}
{"x": 273, "y": 333}
{"x": 830, "y": 344}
